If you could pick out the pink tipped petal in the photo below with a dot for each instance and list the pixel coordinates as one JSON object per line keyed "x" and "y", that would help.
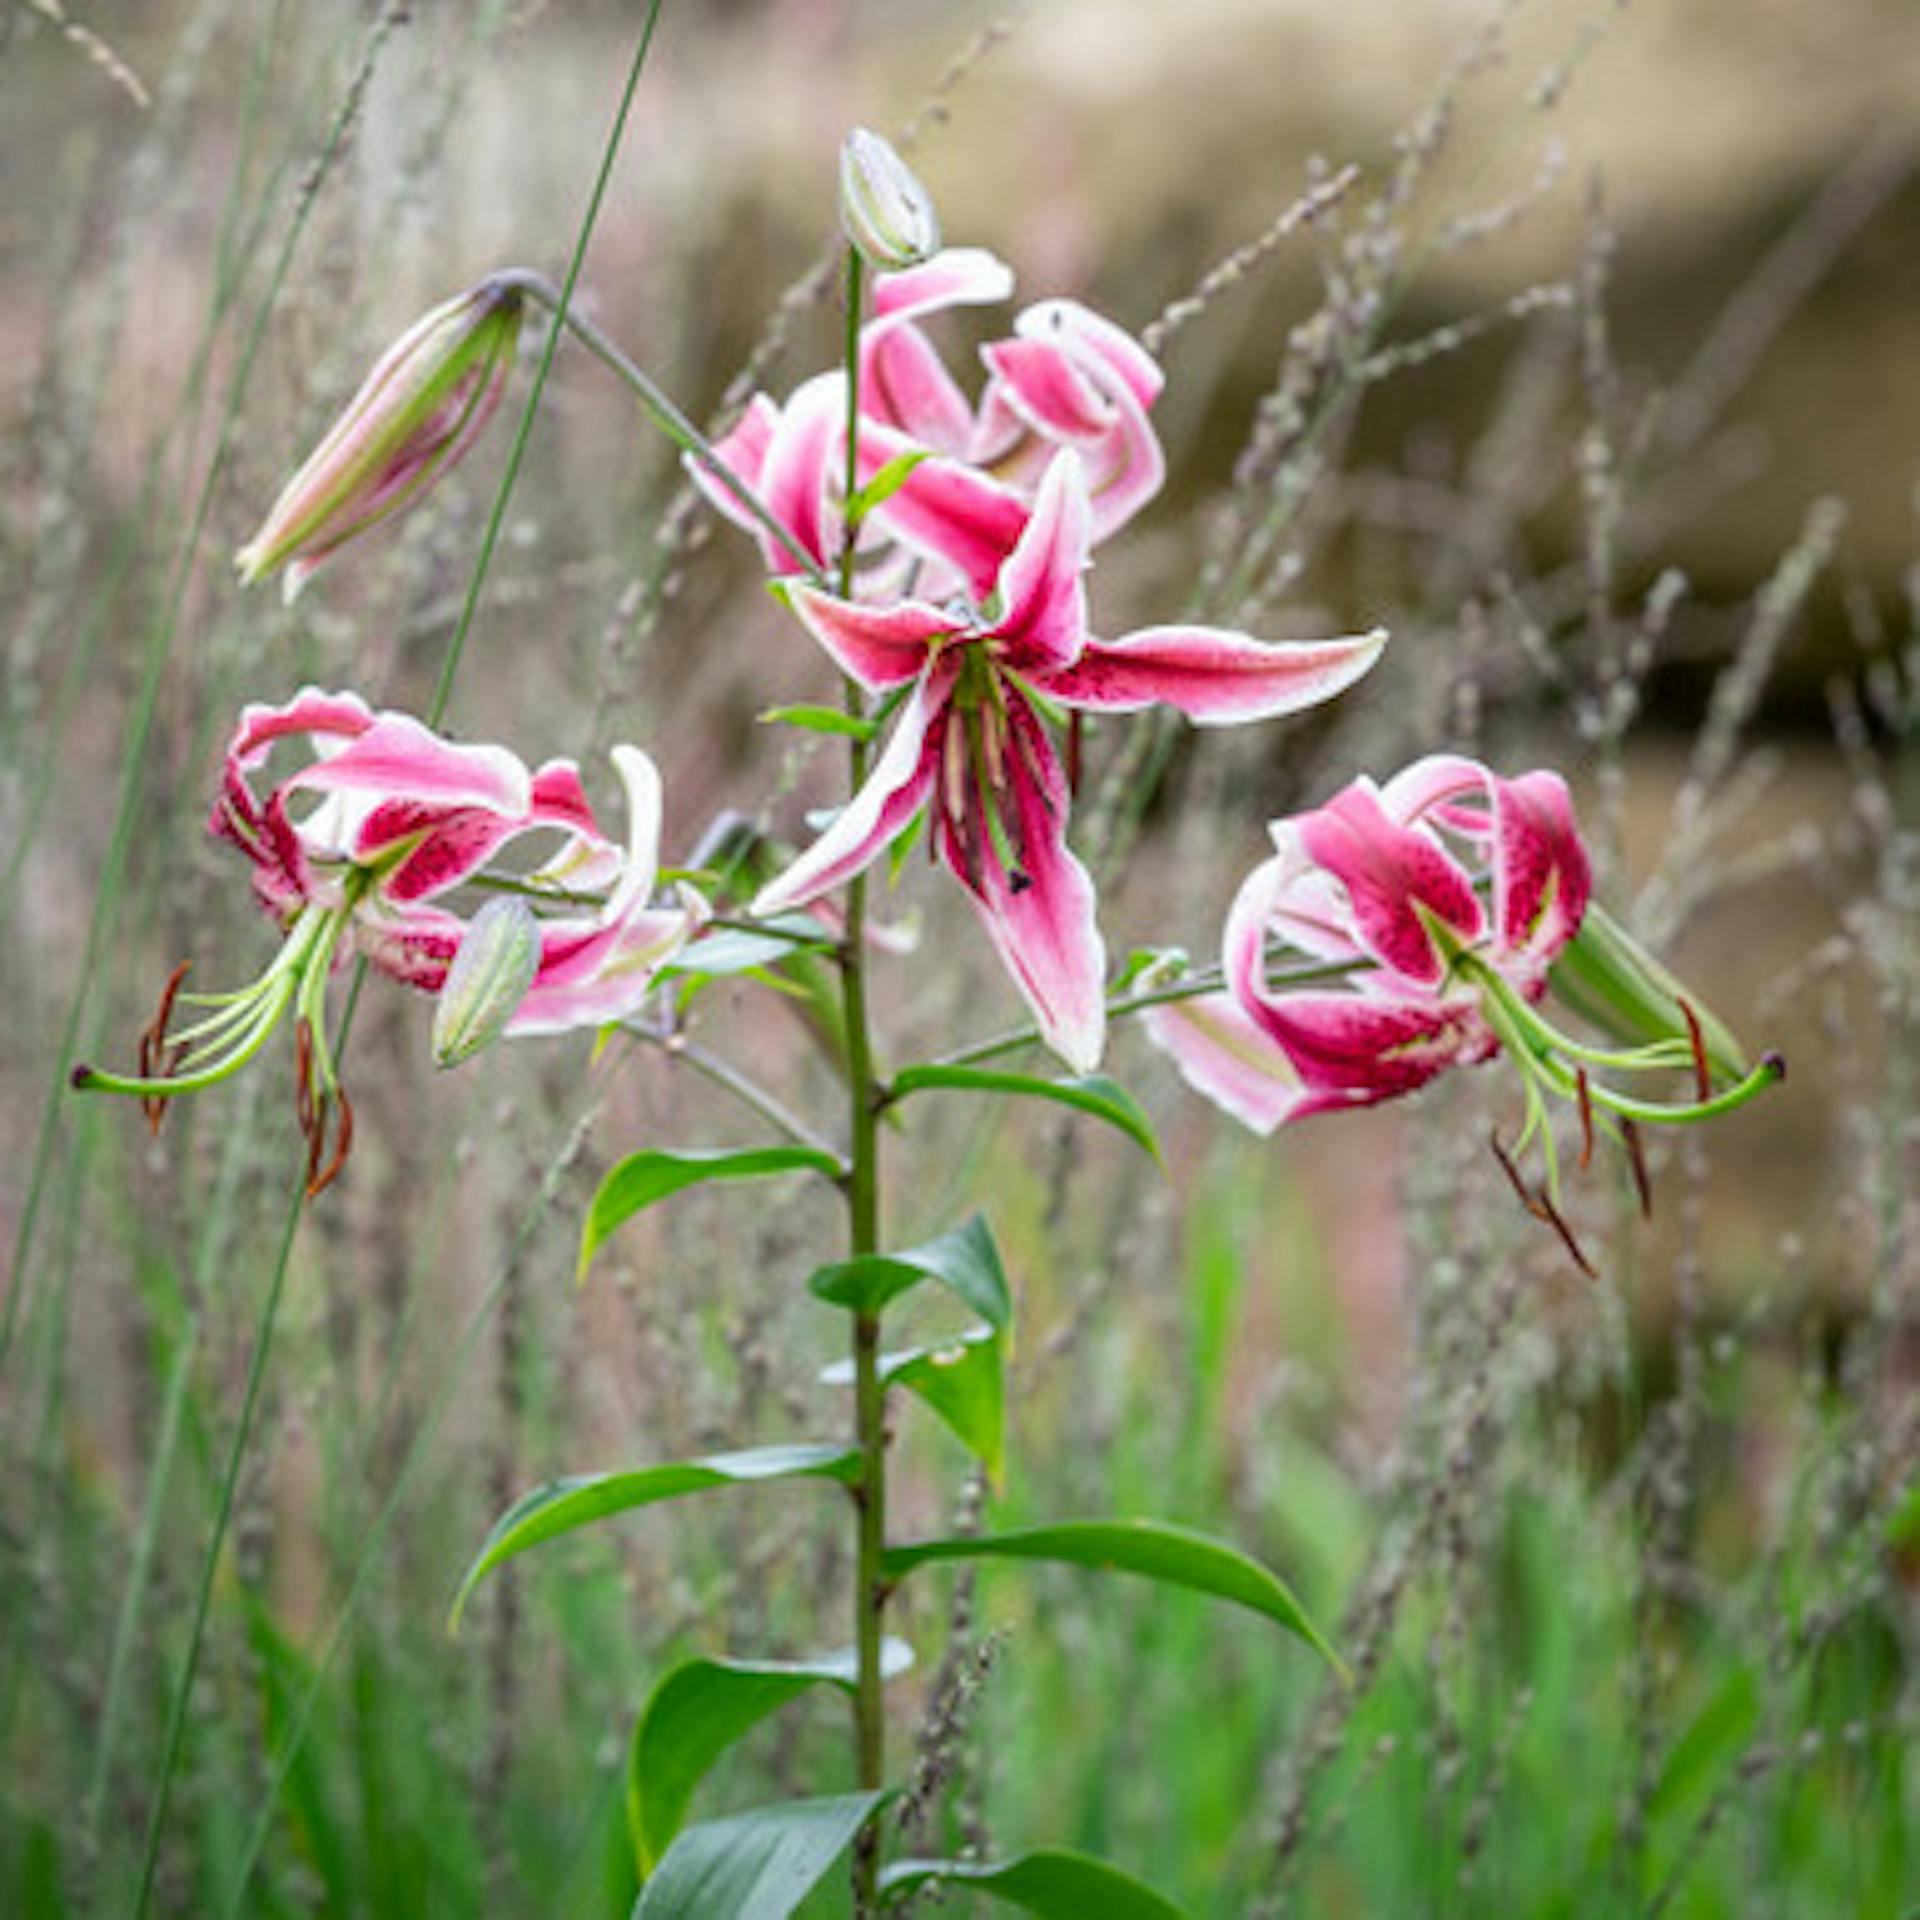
{"x": 879, "y": 646}
{"x": 802, "y": 459}
{"x": 1215, "y": 678}
{"x": 959, "y": 276}
{"x": 1439, "y": 781}
{"x": 1541, "y": 878}
{"x": 743, "y": 452}
{"x": 614, "y": 987}
{"x": 894, "y": 792}
{"x": 415, "y": 947}
{"x": 904, "y": 384}
{"x": 1125, "y": 470}
{"x": 1390, "y": 873}
{"x": 399, "y": 758}
{"x": 450, "y": 845}
{"x": 1224, "y": 1054}
{"x": 645, "y": 804}
{"x": 309, "y": 711}
{"x": 1098, "y": 342}
{"x": 1042, "y": 384}
{"x": 1043, "y": 597}
{"x": 559, "y": 800}
{"x": 1368, "y": 1048}
{"x": 1041, "y": 915}
{"x": 945, "y": 510}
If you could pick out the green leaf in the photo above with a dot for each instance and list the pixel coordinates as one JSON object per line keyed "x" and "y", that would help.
{"x": 733, "y": 950}
{"x": 963, "y": 1381}
{"x": 644, "y": 1178}
{"x": 1105, "y": 1099}
{"x": 822, "y": 720}
{"x": 1712, "y": 1741}
{"x": 562, "y": 1506}
{"x": 883, "y": 486}
{"x": 965, "y": 1262}
{"x": 699, "y": 1710}
{"x": 1149, "y": 1548}
{"x": 758, "y": 1865}
{"x": 1050, "y": 1880}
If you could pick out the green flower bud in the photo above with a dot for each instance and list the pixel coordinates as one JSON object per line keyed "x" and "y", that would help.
{"x": 416, "y": 413}
{"x": 884, "y": 210}
{"x": 490, "y": 975}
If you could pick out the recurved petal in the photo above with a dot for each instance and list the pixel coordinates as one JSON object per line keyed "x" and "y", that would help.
{"x": 945, "y": 509}
{"x": 1392, "y": 875}
{"x": 1216, "y": 678}
{"x": 743, "y": 452}
{"x": 894, "y": 792}
{"x": 879, "y": 646}
{"x": 591, "y": 975}
{"x": 310, "y": 711}
{"x": 398, "y": 758}
{"x": 1042, "y": 915}
{"x": 1366, "y": 1047}
{"x": 1043, "y": 596}
{"x": 905, "y": 385}
{"x": 1099, "y": 342}
{"x": 1542, "y": 879}
{"x": 800, "y": 464}
{"x": 958, "y": 276}
{"x": 1223, "y": 1053}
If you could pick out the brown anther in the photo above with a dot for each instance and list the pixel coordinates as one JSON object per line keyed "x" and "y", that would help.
{"x": 1540, "y": 1205}
{"x": 1551, "y": 1214}
{"x": 1586, "y": 1117}
{"x": 303, "y": 1100}
{"x": 1702, "y": 1073}
{"x": 1637, "y": 1160}
{"x": 318, "y": 1181}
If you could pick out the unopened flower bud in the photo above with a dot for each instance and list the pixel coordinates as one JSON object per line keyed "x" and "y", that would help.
{"x": 490, "y": 975}
{"x": 885, "y": 211}
{"x": 416, "y": 413}
{"x": 1606, "y": 977}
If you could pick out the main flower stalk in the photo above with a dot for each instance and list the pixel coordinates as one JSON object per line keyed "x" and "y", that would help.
{"x": 863, "y": 1235}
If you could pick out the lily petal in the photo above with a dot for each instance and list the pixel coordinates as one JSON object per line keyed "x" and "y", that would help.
{"x": 905, "y": 384}
{"x": 879, "y": 646}
{"x": 944, "y": 509}
{"x": 1041, "y": 918}
{"x": 743, "y": 452}
{"x": 956, "y": 276}
{"x": 894, "y": 792}
{"x": 1099, "y": 342}
{"x": 1367, "y": 1047}
{"x": 1223, "y": 1053}
{"x": 1391, "y": 875}
{"x": 1043, "y": 596}
{"x": 1215, "y": 678}
{"x": 399, "y": 757}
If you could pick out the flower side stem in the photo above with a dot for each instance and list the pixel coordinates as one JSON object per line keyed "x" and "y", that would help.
{"x": 655, "y": 404}
{"x": 863, "y": 1237}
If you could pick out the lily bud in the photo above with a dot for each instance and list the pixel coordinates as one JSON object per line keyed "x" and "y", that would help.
{"x": 417, "y": 412}
{"x": 1606, "y": 977}
{"x": 884, "y": 210}
{"x": 491, "y": 972}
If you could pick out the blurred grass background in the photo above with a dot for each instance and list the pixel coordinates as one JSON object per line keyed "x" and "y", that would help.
{"x": 1560, "y": 393}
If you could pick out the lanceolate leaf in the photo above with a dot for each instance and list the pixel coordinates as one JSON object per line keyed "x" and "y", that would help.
{"x": 1105, "y": 1099}
{"x": 883, "y": 486}
{"x": 1149, "y": 1548}
{"x": 1050, "y": 1881}
{"x": 699, "y": 1710}
{"x": 822, "y": 720}
{"x": 963, "y": 1381}
{"x": 563, "y": 1506}
{"x": 644, "y": 1178}
{"x": 755, "y": 1866}
{"x": 965, "y": 1262}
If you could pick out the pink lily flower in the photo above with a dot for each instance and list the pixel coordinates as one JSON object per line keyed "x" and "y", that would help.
{"x": 1068, "y": 380}
{"x": 355, "y": 851}
{"x": 1388, "y": 881}
{"x": 970, "y": 741}
{"x": 1448, "y": 895}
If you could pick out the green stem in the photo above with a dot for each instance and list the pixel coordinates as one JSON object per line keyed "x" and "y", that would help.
{"x": 658, "y": 407}
{"x": 863, "y": 1235}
